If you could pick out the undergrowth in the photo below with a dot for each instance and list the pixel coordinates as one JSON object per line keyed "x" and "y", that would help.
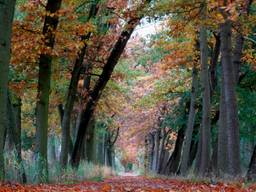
{"x": 86, "y": 171}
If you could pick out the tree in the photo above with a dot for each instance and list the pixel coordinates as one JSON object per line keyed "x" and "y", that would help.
{"x": 6, "y": 18}
{"x": 43, "y": 92}
{"x": 100, "y": 84}
{"x": 229, "y": 146}
{"x": 78, "y": 66}
{"x": 205, "y": 137}
{"x": 190, "y": 125}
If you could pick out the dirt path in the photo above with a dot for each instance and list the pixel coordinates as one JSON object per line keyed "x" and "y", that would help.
{"x": 130, "y": 184}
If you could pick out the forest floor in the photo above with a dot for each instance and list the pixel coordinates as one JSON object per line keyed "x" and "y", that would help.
{"x": 132, "y": 184}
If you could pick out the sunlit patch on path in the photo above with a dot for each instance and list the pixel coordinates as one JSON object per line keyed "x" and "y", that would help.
{"x": 132, "y": 184}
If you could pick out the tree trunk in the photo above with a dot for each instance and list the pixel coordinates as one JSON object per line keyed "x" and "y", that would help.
{"x": 152, "y": 146}
{"x": 87, "y": 148}
{"x": 72, "y": 94}
{"x": 222, "y": 161}
{"x": 214, "y": 158}
{"x": 162, "y": 151}
{"x": 239, "y": 42}
{"x": 164, "y": 157}
{"x": 100, "y": 150}
{"x": 52, "y": 149}
{"x": 237, "y": 55}
{"x": 190, "y": 125}
{"x": 193, "y": 151}
{"x": 213, "y": 83}
{"x": 146, "y": 155}
{"x": 90, "y": 142}
{"x": 109, "y": 157}
{"x": 14, "y": 133}
{"x": 205, "y": 132}
{"x": 43, "y": 92}
{"x": 156, "y": 150}
{"x": 213, "y": 161}
{"x": 100, "y": 85}
{"x": 251, "y": 174}
{"x": 214, "y": 62}
{"x": 6, "y": 18}
{"x": 174, "y": 160}
{"x": 230, "y": 104}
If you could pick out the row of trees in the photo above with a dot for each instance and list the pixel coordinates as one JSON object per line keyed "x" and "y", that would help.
{"x": 84, "y": 39}
{"x": 220, "y": 40}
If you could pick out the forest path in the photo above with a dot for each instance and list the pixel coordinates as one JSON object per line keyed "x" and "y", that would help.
{"x": 131, "y": 184}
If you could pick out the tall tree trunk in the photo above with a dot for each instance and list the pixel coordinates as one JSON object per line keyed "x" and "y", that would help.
{"x": 231, "y": 124}
{"x": 100, "y": 85}
{"x": 222, "y": 161}
{"x": 43, "y": 92}
{"x": 86, "y": 150}
{"x": 205, "y": 132}
{"x": 228, "y": 148}
{"x": 162, "y": 156}
{"x": 6, "y": 18}
{"x": 190, "y": 125}
{"x": 213, "y": 83}
{"x": 251, "y": 174}
{"x": 65, "y": 142}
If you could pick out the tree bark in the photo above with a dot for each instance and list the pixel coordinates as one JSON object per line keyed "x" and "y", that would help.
{"x": 190, "y": 125}
{"x": 222, "y": 161}
{"x": 214, "y": 62}
{"x": 231, "y": 124}
{"x": 6, "y": 18}
{"x": 205, "y": 132}
{"x": 174, "y": 160}
{"x": 65, "y": 142}
{"x": 163, "y": 152}
{"x": 43, "y": 92}
{"x": 213, "y": 85}
{"x": 193, "y": 150}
